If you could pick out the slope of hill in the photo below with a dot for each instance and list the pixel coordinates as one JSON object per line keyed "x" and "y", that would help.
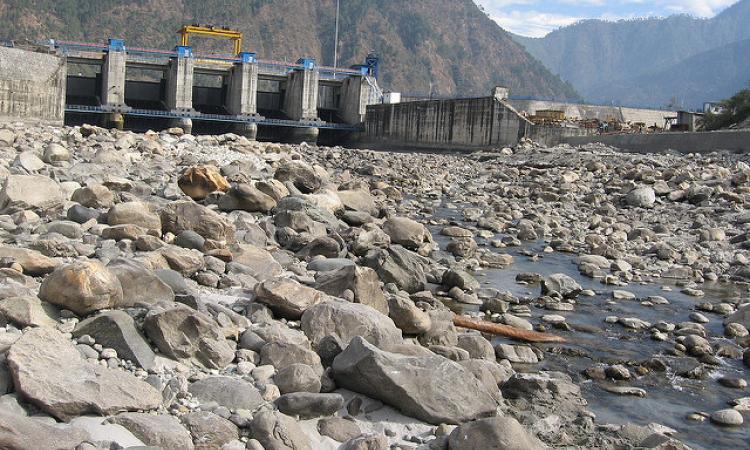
{"x": 599, "y": 57}
{"x": 447, "y": 44}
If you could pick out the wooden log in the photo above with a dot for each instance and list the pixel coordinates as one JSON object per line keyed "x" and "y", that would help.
{"x": 504, "y": 330}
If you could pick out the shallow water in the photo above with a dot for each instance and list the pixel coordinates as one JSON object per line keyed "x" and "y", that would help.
{"x": 669, "y": 398}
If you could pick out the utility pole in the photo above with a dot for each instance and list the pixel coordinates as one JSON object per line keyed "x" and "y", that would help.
{"x": 336, "y": 41}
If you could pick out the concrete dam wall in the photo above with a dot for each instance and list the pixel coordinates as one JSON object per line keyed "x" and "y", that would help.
{"x": 604, "y": 113}
{"x": 32, "y": 87}
{"x": 462, "y": 124}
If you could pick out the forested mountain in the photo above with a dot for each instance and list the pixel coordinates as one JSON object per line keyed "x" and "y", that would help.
{"x": 651, "y": 61}
{"x": 449, "y": 45}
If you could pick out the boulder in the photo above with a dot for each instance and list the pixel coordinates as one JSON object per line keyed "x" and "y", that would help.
{"x": 407, "y": 316}
{"x": 741, "y": 316}
{"x": 209, "y": 431}
{"x": 308, "y": 405}
{"x": 183, "y": 215}
{"x": 75, "y": 387}
{"x": 55, "y": 153}
{"x": 277, "y": 431}
{"x": 36, "y": 192}
{"x": 338, "y": 429}
{"x": 134, "y": 213}
{"x": 117, "y": 330}
{"x": 367, "y": 442}
{"x": 460, "y": 279}
{"x": 297, "y": 378}
{"x": 346, "y": 320}
{"x": 283, "y": 354}
{"x": 641, "y": 197}
{"x": 82, "y": 287}
{"x": 247, "y": 197}
{"x": 19, "y": 432}
{"x": 358, "y": 200}
{"x": 232, "y": 393}
{"x": 181, "y": 332}
{"x": 300, "y": 174}
{"x": 256, "y": 261}
{"x": 399, "y": 266}
{"x": 140, "y": 286}
{"x": 27, "y": 311}
{"x": 407, "y": 232}
{"x": 184, "y": 261}
{"x": 162, "y": 431}
{"x": 362, "y": 281}
{"x": 199, "y": 181}
{"x": 562, "y": 284}
{"x": 286, "y": 297}
{"x": 494, "y": 433}
{"x": 423, "y": 387}
{"x": 477, "y": 346}
{"x": 32, "y": 262}
{"x": 94, "y": 196}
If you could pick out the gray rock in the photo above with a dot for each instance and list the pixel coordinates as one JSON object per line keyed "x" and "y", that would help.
{"x": 642, "y": 197}
{"x": 27, "y": 312}
{"x": 94, "y": 196}
{"x": 367, "y": 442}
{"x": 35, "y": 192}
{"x": 82, "y": 287}
{"x": 338, "y": 429}
{"x": 399, "y": 266}
{"x": 308, "y": 405}
{"x": 184, "y": 215}
{"x": 209, "y": 431}
{"x": 477, "y": 346}
{"x": 407, "y": 232}
{"x": 423, "y": 387}
{"x": 300, "y": 174}
{"x": 156, "y": 430}
{"x": 297, "y": 378}
{"x": 362, "y": 281}
{"x": 358, "y": 200}
{"x": 81, "y": 214}
{"x": 19, "y": 432}
{"x": 181, "y": 332}
{"x": 32, "y": 262}
{"x": 562, "y": 284}
{"x": 346, "y": 320}
{"x": 283, "y": 354}
{"x": 246, "y": 197}
{"x": 29, "y": 161}
{"x": 516, "y": 353}
{"x": 75, "y": 387}
{"x": 135, "y": 213}
{"x": 741, "y": 316}
{"x": 460, "y": 279}
{"x": 232, "y": 393}
{"x": 55, "y": 153}
{"x": 190, "y": 239}
{"x": 140, "y": 286}
{"x": 286, "y": 297}
{"x": 116, "y": 330}
{"x": 407, "y": 316}
{"x": 276, "y": 431}
{"x": 727, "y": 417}
{"x": 256, "y": 261}
{"x": 495, "y": 433}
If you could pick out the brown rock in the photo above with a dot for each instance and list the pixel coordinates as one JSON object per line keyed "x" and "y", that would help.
{"x": 82, "y": 287}
{"x": 199, "y": 181}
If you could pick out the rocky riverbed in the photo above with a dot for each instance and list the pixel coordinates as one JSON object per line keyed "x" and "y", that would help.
{"x": 210, "y": 292}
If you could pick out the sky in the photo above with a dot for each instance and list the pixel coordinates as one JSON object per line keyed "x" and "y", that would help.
{"x": 536, "y": 18}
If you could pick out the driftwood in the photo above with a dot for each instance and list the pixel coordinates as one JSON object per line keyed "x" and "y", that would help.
{"x": 504, "y": 330}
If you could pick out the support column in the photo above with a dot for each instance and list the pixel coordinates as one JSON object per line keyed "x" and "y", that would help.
{"x": 180, "y": 81}
{"x": 242, "y": 98}
{"x": 113, "y": 75}
{"x": 356, "y": 94}
{"x": 301, "y": 98}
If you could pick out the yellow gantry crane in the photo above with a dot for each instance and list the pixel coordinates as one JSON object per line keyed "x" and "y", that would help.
{"x": 212, "y": 32}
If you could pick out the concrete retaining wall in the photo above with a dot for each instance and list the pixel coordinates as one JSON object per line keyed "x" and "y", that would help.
{"x": 732, "y": 141}
{"x": 32, "y": 87}
{"x": 462, "y": 124}
{"x": 576, "y": 111}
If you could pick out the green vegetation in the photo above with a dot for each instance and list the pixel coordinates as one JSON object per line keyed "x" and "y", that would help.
{"x": 736, "y": 110}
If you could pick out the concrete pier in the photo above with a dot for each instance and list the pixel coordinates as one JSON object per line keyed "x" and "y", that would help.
{"x": 242, "y": 98}
{"x": 356, "y": 93}
{"x": 113, "y": 76}
{"x": 180, "y": 81}
{"x": 301, "y": 99}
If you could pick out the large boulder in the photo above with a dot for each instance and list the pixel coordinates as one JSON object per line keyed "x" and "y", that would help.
{"x": 117, "y": 330}
{"x": 362, "y": 281}
{"x": 49, "y": 371}
{"x": 19, "y": 432}
{"x": 641, "y": 197}
{"x": 399, "y": 266}
{"x": 256, "y": 261}
{"x": 346, "y": 320}
{"x": 741, "y": 316}
{"x": 232, "y": 393}
{"x": 407, "y": 316}
{"x": 424, "y": 387}
{"x": 247, "y": 197}
{"x": 209, "y": 431}
{"x": 404, "y": 231}
{"x": 307, "y": 405}
{"x": 183, "y": 333}
{"x": 562, "y": 284}
{"x": 494, "y": 433}
{"x": 134, "y": 213}
{"x": 199, "y": 181}
{"x": 94, "y": 196}
{"x": 140, "y": 286}
{"x": 162, "y": 431}
{"x": 32, "y": 262}
{"x": 39, "y": 193}
{"x": 283, "y": 354}
{"x": 185, "y": 215}
{"x": 287, "y": 298}
{"x": 27, "y": 311}
{"x": 358, "y": 200}
{"x": 300, "y": 174}
{"x": 276, "y": 431}
{"x": 82, "y": 287}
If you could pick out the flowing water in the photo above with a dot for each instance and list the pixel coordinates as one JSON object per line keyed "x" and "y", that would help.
{"x": 669, "y": 398}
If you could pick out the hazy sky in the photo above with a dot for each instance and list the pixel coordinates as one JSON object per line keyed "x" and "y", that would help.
{"x": 539, "y": 17}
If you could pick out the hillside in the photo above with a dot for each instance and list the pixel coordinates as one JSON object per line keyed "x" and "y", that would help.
{"x": 450, "y": 44}
{"x": 608, "y": 61}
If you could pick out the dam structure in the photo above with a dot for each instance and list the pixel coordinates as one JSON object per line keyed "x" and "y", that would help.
{"x": 121, "y": 84}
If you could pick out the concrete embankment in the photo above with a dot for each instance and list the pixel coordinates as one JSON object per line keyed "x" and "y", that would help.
{"x": 733, "y": 141}
{"x": 32, "y": 87}
{"x": 603, "y": 113}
